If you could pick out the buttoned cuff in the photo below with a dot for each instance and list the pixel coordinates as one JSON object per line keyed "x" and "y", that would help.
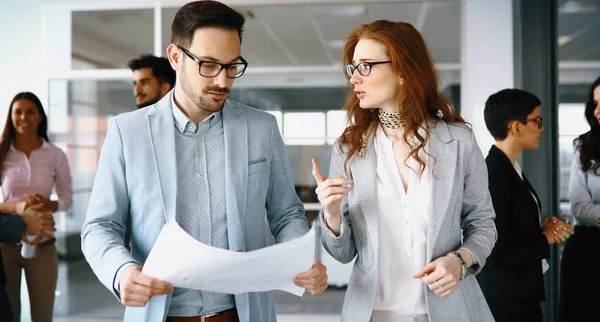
{"x": 340, "y": 240}
{"x": 118, "y": 277}
{"x": 472, "y": 256}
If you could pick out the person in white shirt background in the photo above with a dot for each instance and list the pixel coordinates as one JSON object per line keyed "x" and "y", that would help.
{"x": 406, "y": 178}
{"x": 31, "y": 169}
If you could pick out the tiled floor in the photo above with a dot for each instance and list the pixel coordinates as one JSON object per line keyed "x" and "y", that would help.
{"x": 81, "y": 298}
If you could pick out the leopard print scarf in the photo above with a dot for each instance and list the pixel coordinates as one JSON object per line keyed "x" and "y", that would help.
{"x": 391, "y": 120}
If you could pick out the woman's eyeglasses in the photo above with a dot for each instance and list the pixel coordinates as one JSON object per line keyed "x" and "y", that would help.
{"x": 363, "y": 68}
{"x": 538, "y": 120}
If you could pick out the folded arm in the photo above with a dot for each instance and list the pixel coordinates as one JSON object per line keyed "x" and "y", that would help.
{"x": 511, "y": 250}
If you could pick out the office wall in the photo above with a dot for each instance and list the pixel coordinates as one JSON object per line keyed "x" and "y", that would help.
{"x": 20, "y": 47}
{"x": 487, "y": 59}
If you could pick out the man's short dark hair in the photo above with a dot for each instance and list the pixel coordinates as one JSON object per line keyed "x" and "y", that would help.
{"x": 200, "y": 14}
{"x": 506, "y": 106}
{"x": 161, "y": 68}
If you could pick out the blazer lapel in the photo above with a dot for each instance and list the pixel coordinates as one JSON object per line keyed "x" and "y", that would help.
{"x": 162, "y": 137}
{"x": 444, "y": 165}
{"x": 538, "y": 202}
{"x": 364, "y": 172}
{"x": 524, "y": 184}
{"x": 235, "y": 128}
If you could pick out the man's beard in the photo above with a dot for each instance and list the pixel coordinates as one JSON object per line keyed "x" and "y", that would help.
{"x": 201, "y": 101}
{"x": 148, "y": 103}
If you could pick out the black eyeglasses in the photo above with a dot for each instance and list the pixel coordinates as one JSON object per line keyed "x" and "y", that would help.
{"x": 363, "y": 68}
{"x": 212, "y": 69}
{"x": 538, "y": 120}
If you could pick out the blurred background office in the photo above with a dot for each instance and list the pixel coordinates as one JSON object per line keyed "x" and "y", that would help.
{"x": 73, "y": 55}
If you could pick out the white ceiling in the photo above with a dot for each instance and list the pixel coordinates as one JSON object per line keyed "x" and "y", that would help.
{"x": 276, "y": 35}
{"x": 299, "y": 42}
{"x": 111, "y": 38}
{"x": 578, "y": 30}
{"x": 301, "y": 35}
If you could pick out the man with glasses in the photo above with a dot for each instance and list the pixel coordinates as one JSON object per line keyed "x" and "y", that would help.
{"x": 214, "y": 165}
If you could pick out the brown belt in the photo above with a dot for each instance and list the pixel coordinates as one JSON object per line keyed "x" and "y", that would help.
{"x": 224, "y": 316}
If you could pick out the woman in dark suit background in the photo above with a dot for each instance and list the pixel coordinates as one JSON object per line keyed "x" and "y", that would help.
{"x": 512, "y": 280}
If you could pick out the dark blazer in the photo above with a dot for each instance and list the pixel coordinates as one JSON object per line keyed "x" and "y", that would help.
{"x": 11, "y": 229}
{"x": 514, "y": 269}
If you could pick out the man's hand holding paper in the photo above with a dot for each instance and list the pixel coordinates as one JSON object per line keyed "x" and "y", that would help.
{"x": 313, "y": 280}
{"x": 183, "y": 261}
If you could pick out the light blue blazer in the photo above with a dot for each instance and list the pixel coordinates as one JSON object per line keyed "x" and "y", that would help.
{"x": 136, "y": 186}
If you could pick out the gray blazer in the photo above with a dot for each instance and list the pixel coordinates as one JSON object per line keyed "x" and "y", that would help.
{"x": 460, "y": 214}
{"x": 584, "y": 193}
{"x": 136, "y": 183}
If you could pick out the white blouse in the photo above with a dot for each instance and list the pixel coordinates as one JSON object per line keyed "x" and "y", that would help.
{"x": 402, "y": 231}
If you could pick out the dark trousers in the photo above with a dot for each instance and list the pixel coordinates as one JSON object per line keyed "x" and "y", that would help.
{"x": 515, "y": 310}
{"x": 5, "y": 310}
{"x": 580, "y": 284}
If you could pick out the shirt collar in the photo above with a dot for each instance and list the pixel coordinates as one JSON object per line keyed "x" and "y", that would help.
{"x": 380, "y": 135}
{"x": 518, "y": 169}
{"x": 182, "y": 121}
{"x": 387, "y": 145}
{"x": 45, "y": 145}
{"x": 383, "y": 139}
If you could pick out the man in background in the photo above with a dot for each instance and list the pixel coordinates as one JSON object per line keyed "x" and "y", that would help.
{"x": 153, "y": 77}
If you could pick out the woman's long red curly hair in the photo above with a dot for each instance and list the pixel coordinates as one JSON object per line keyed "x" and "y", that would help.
{"x": 419, "y": 97}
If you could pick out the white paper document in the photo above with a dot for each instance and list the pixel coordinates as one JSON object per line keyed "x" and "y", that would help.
{"x": 183, "y": 261}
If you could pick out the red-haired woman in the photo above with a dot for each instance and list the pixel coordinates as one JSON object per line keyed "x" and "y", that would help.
{"x": 407, "y": 193}
{"x": 31, "y": 167}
